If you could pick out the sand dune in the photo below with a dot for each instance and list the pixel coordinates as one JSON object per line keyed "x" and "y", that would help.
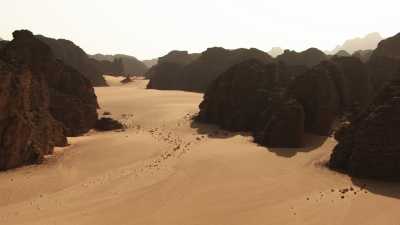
{"x": 164, "y": 169}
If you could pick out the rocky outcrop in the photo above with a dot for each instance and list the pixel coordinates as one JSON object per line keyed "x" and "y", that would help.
{"x": 267, "y": 113}
{"x": 108, "y": 124}
{"x": 130, "y": 65}
{"x": 309, "y": 57}
{"x": 320, "y": 92}
{"x": 198, "y": 74}
{"x": 363, "y": 55}
{"x": 342, "y": 53}
{"x": 75, "y": 57}
{"x": 105, "y": 67}
{"x": 72, "y": 100}
{"x": 385, "y": 61}
{"x": 369, "y": 146}
{"x": 389, "y": 48}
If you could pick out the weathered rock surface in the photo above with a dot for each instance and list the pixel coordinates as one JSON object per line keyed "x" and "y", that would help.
{"x": 197, "y": 74}
{"x": 369, "y": 146}
{"x": 309, "y": 57}
{"x": 75, "y": 57}
{"x": 28, "y": 131}
{"x": 105, "y": 67}
{"x": 363, "y": 55}
{"x": 72, "y": 98}
{"x": 250, "y": 97}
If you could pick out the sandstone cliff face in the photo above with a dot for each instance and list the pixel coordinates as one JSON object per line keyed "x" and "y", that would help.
{"x": 197, "y": 74}
{"x": 75, "y": 57}
{"x": 106, "y": 67}
{"x": 369, "y": 146}
{"x": 27, "y": 129}
{"x": 41, "y": 101}
{"x": 309, "y": 57}
{"x": 363, "y": 55}
{"x": 72, "y": 98}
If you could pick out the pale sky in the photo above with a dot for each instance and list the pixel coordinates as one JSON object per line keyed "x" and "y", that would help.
{"x": 149, "y": 29}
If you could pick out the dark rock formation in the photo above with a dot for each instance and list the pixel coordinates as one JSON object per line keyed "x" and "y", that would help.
{"x": 130, "y": 64}
{"x": 72, "y": 98}
{"x": 3, "y": 43}
{"x": 309, "y": 57}
{"x": 385, "y": 61}
{"x": 363, "y": 55}
{"x": 150, "y": 62}
{"x": 106, "y": 67}
{"x": 197, "y": 75}
{"x": 342, "y": 53}
{"x": 369, "y": 146}
{"x": 267, "y": 112}
{"x": 389, "y": 47}
{"x": 75, "y": 57}
{"x": 108, "y": 124}
{"x": 127, "y": 80}
{"x": 320, "y": 92}
{"x": 173, "y": 60}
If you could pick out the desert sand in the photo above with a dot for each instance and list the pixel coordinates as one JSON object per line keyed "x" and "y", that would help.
{"x": 166, "y": 170}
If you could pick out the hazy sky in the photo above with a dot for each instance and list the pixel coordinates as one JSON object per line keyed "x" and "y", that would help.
{"x": 149, "y": 28}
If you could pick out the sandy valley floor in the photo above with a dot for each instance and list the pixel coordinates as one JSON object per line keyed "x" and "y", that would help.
{"x": 166, "y": 170}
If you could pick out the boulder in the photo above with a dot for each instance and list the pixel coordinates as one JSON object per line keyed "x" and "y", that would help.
{"x": 108, "y": 124}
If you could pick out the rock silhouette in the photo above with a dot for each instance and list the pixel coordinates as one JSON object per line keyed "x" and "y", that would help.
{"x": 309, "y": 57}
{"x": 130, "y": 65}
{"x": 197, "y": 75}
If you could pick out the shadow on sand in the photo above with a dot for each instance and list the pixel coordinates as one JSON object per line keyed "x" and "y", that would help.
{"x": 212, "y": 131}
{"x": 312, "y": 142}
{"x": 386, "y": 188}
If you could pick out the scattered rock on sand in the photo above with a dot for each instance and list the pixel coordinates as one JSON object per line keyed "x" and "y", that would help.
{"x": 108, "y": 124}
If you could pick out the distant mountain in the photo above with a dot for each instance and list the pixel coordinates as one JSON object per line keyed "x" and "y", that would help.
{"x": 370, "y": 41}
{"x": 150, "y": 62}
{"x": 364, "y": 55}
{"x": 275, "y": 51}
{"x": 131, "y": 65}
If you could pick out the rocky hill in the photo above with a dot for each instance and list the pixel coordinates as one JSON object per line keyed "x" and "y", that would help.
{"x": 309, "y": 57}
{"x": 131, "y": 65}
{"x": 369, "y": 145}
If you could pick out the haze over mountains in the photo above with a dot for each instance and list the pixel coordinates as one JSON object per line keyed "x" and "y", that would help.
{"x": 131, "y": 65}
{"x": 368, "y": 42}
